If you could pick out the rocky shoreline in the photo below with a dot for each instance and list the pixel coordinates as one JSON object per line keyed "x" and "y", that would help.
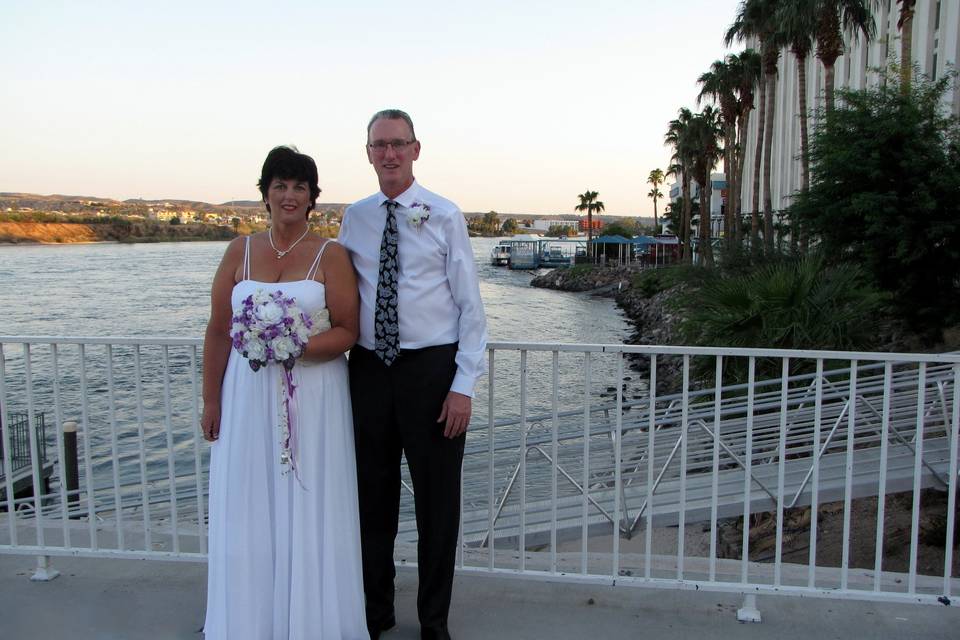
{"x": 88, "y": 233}
{"x": 653, "y": 320}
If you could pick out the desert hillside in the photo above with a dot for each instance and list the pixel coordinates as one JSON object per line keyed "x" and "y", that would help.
{"x": 47, "y": 232}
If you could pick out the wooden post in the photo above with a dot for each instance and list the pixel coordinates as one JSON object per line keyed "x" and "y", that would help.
{"x": 71, "y": 470}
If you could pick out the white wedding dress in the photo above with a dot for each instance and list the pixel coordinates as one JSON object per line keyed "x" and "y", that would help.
{"x": 284, "y": 552}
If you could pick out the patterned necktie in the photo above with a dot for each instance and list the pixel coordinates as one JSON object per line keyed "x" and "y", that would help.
{"x": 386, "y": 325}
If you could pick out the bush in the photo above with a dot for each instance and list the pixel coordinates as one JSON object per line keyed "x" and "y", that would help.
{"x": 885, "y": 194}
{"x": 801, "y": 304}
{"x": 650, "y": 282}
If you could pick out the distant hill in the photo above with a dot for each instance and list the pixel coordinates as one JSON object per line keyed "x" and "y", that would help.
{"x": 74, "y": 204}
{"x": 81, "y": 204}
{"x": 242, "y": 203}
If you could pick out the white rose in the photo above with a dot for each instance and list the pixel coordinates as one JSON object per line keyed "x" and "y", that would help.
{"x": 256, "y": 350}
{"x": 270, "y": 312}
{"x": 283, "y": 347}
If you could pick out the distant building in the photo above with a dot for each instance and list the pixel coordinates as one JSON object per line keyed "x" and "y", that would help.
{"x": 597, "y": 224}
{"x": 544, "y": 225}
{"x": 166, "y": 216}
{"x": 718, "y": 201}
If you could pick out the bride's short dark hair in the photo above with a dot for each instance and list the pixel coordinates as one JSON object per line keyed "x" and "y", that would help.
{"x": 287, "y": 163}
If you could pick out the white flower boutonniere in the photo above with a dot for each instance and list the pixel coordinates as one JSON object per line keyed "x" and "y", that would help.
{"x": 419, "y": 213}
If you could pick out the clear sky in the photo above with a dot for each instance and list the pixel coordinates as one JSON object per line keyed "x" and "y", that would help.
{"x": 520, "y": 105}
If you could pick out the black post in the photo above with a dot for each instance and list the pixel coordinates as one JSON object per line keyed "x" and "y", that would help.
{"x": 71, "y": 470}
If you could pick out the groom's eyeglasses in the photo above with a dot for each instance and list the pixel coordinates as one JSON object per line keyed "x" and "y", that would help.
{"x": 380, "y": 146}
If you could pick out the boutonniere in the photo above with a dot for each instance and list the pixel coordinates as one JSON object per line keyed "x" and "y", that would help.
{"x": 419, "y": 213}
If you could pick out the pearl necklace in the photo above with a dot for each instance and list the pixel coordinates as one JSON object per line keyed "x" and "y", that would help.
{"x": 280, "y": 253}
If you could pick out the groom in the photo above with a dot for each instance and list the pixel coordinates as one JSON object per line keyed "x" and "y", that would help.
{"x": 413, "y": 370}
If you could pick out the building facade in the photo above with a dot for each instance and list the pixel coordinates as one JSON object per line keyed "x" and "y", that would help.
{"x": 718, "y": 201}
{"x": 935, "y": 49}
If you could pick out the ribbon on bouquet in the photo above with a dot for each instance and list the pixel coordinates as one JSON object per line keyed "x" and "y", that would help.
{"x": 289, "y": 439}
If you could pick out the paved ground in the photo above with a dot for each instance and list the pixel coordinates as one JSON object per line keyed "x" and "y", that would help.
{"x": 133, "y": 600}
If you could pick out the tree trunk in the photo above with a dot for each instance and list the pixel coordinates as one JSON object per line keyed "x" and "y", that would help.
{"x": 729, "y": 168}
{"x": 656, "y": 227}
{"x": 757, "y": 159}
{"x": 706, "y": 248}
{"x": 590, "y": 251}
{"x": 906, "y": 45}
{"x": 797, "y": 233}
{"x": 739, "y": 163}
{"x": 828, "y": 78}
{"x": 767, "y": 162}
{"x": 687, "y": 252}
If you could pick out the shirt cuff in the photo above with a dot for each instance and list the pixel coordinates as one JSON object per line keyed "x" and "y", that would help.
{"x": 464, "y": 384}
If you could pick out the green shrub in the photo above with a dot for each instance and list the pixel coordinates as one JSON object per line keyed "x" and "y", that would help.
{"x": 885, "y": 194}
{"x": 800, "y": 304}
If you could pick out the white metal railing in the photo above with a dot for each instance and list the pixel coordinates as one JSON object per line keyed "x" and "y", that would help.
{"x": 577, "y": 468}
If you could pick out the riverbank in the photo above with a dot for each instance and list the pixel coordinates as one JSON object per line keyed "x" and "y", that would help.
{"x": 652, "y": 319}
{"x": 648, "y": 304}
{"x": 112, "y": 231}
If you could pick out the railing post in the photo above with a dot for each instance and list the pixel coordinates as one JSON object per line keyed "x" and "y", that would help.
{"x": 44, "y": 572}
{"x": 749, "y": 612}
{"x": 71, "y": 469}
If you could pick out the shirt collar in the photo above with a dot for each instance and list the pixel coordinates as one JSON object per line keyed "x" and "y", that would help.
{"x": 405, "y": 199}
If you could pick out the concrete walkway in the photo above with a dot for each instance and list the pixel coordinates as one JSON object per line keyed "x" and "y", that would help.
{"x": 132, "y": 600}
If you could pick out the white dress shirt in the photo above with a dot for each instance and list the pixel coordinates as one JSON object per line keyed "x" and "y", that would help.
{"x": 439, "y": 292}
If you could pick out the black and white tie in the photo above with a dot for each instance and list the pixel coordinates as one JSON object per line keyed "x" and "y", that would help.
{"x": 386, "y": 325}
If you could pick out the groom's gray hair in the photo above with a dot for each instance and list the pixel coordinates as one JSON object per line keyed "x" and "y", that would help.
{"x": 391, "y": 114}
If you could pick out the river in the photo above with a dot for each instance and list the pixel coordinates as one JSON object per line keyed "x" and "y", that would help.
{"x": 99, "y": 290}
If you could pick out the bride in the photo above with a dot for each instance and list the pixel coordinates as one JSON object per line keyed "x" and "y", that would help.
{"x": 284, "y": 541}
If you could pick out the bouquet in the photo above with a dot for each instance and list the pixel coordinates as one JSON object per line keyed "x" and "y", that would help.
{"x": 270, "y": 328}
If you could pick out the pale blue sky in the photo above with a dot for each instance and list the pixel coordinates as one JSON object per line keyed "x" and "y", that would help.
{"x": 519, "y": 105}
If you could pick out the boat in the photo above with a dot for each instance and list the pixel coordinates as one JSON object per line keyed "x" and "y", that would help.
{"x": 500, "y": 254}
{"x": 525, "y": 251}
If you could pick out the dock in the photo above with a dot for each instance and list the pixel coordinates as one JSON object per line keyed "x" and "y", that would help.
{"x": 20, "y": 468}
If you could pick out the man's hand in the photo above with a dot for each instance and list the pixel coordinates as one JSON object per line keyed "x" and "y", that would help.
{"x": 456, "y": 412}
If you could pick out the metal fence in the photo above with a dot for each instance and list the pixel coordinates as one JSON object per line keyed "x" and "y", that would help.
{"x": 18, "y": 425}
{"x": 829, "y": 474}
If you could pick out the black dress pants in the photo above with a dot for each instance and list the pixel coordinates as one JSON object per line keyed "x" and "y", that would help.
{"x": 395, "y": 410}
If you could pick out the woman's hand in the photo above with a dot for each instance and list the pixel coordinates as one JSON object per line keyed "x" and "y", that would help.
{"x": 216, "y": 343}
{"x": 210, "y": 421}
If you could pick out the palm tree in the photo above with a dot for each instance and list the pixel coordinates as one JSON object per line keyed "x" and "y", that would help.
{"x": 799, "y": 20}
{"x": 673, "y": 209}
{"x": 720, "y": 83}
{"x": 656, "y": 179}
{"x": 677, "y": 136}
{"x": 758, "y": 19}
{"x": 747, "y": 69}
{"x": 589, "y": 203}
{"x": 704, "y": 133}
{"x": 905, "y": 24}
{"x": 851, "y": 15}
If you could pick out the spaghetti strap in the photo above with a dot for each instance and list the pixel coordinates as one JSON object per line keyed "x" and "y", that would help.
{"x": 246, "y": 260}
{"x": 312, "y": 272}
